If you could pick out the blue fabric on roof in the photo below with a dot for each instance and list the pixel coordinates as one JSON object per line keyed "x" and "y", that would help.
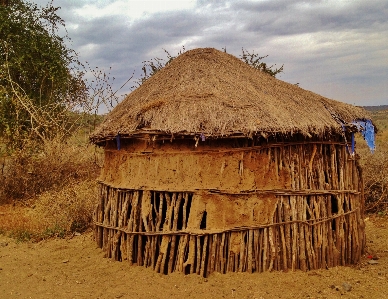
{"x": 367, "y": 129}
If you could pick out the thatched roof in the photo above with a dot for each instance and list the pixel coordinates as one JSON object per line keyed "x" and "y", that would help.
{"x": 214, "y": 93}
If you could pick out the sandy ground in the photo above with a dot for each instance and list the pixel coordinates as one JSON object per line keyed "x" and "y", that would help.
{"x": 75, "y": 268}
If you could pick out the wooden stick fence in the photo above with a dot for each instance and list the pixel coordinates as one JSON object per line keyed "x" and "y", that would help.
{"x": 316, "y": 224}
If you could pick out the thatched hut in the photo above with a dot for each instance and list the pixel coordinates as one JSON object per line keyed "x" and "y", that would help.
{"x": 212, "y": 165}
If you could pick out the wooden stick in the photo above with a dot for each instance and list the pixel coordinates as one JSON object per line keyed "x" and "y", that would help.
{"x": 132, "y": 227}
{"x": 265, "y": 250}
{"x": 272, "y": 256}
{"x": 228, "y": 252}
{"x": 213, "y": 253}
{"x": 162, "y": 255}
{"x": 282, "y": 237}
{"x": 175, "y": 205}
{"x": 287, "y": 215}
{"x": 160, "y": 213}
{"x": 295, "y": 234}
{"x": 199, "y": 258}
{"x": 185, "y": 214}
{"x": 250, "y": 254}
{"x": 183, "y": 252}
{"x": 204, "y": 252}
{"x": 261, "y": 251}
{"x": 256, "y": 254}
{"x": 219, "y": 254}
{"x": 242, "y": 251}
{"x": 191, "y": 255}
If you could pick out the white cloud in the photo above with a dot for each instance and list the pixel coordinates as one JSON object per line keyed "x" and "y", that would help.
{"x": 90, "y": 48}
{"x": 133, "y": 9}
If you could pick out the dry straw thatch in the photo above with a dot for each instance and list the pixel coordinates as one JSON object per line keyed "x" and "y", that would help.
{"x": 211, "y": 92}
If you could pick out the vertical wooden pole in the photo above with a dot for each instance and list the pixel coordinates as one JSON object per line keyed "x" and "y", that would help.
{"x": 199, "y": 257}
{"x": 250, "y": 251}
{"x": 282, "y": 236}
{"x": 204, "y": 253}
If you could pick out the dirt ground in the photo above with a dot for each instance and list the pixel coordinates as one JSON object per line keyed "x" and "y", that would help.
{"x": 75, "y": 268}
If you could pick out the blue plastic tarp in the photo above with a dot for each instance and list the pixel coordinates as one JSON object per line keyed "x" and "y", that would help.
{"x": 367, "y": 129}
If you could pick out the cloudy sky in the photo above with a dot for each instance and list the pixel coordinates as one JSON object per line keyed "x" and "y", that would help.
{"x": 336, "y": 48}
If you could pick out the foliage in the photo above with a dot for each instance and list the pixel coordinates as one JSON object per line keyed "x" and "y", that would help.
{"x": 152, "y": 66}
{"x": 47, "y": 110}
{"x": 53, "y": 231}
{"x": 40, "y": 77}
{"x": 21, "y": 235}
{"x": 255, "y": 61}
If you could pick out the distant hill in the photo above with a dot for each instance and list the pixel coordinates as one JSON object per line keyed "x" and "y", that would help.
{"x": 376, "y": 108}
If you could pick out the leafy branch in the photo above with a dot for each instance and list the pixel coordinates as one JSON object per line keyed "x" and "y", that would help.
{"x": 152, "y": 66}
{"x": 255, "y": 61}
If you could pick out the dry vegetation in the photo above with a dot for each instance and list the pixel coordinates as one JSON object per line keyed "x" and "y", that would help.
{"x": 52, "y": 193}
{"x": 376, "y": 167}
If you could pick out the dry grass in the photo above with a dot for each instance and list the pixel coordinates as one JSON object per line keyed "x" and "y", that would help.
{"x": 28, "y": 173}
{"x": 49, "y": 192}
{"x": 375, "y": 167}
{"x": 376, "y": 181}
{"x": 15, "y": 222}
{"x": 69, "y": 209}
{"x": 51, "y": 214}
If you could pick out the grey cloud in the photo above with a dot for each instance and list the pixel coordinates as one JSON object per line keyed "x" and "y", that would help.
{"x": 290, "y": 17}
{"x": 262, "y": 6}
{"x": 124, "y": 46}
{"x": 332, "y": 50}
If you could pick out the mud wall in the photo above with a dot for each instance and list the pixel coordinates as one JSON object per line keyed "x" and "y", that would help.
{"x": 181, "y": 166}
{"x": 175, "y": 206}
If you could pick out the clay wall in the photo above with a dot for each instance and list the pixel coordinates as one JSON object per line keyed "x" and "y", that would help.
{"x": 230, "y": 206}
